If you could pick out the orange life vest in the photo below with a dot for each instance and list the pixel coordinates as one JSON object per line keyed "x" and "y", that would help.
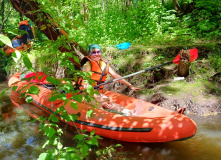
{"x": 25, "y": 22}
{"x": 98, "y": 75}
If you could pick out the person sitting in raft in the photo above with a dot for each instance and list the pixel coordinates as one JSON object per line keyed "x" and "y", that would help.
{"x": 30, "y": 35}
{"x": 100, "y": 69}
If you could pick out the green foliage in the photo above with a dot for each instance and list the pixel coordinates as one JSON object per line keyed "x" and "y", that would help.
{"x": 108, "y": 152}
{"x": 204, "y": 21}
{"x": 215, "y": 60}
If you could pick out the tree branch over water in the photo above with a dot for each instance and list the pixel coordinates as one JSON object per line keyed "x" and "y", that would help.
{"x": 31, "y": 9}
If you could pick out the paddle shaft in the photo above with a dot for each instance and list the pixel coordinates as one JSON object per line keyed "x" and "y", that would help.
{"x": 133, "y": 74}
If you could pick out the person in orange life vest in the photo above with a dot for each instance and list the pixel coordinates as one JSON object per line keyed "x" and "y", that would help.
{"x": 100, "y": 69}
{"x": 30, "y": 35}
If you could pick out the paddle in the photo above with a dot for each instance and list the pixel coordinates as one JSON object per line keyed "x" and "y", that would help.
{"x": 193, "y": 56}
{"x": 124, "y": 45}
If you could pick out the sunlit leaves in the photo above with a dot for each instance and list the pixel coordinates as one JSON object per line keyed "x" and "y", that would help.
{"x": 74, "y": 105}
{"x": 28, "y": 99}
{"x": 53, "y": 118}
{"x": 63, "y": 97}
{"x": 27, "y": 63}
{"x": 89, "y": 113}
{"x": 3, "y": 92}
{"x": 5, "y": 40}
{"x": 94, "y": 141}
{"x": 78, "y": 98}
{"x": 34, "y": 90}
{"x": 53, "y": 98}
{"x": 49, "y": 131}
{"x": 90, "y": 90}
{"x": 52, "y": 80}
{"x": 42, "y": 156}
{"x": 84, "y": 150}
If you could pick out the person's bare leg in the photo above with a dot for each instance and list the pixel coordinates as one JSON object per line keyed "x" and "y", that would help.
{"x": 26, "y": 47}
{"x": 31, "y": 45}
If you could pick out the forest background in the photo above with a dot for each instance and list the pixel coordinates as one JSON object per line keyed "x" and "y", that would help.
{"x": 159, "y": 28}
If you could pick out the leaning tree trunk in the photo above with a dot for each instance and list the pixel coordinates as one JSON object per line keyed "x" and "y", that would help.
{"x": 3, "y": 16}
{"x": 30, "y": 9}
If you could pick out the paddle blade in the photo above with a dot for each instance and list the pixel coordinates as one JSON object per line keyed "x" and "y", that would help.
{"x": 124, "y": 45}
{"x": 193, "y": 56}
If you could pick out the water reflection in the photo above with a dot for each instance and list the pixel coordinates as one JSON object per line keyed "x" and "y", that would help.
{"x": 20, "y": 139}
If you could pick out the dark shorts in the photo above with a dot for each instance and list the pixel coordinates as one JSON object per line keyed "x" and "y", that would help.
{"x": 27, "y": 36}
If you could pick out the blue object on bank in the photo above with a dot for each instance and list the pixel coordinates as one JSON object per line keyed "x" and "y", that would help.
{"x": 124, "y": 45}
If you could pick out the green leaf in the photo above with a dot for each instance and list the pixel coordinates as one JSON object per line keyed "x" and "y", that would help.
{"x": 5, "y": 40}
{"x": 79, "y": 137}
{"x": 66, "y": 101}
{"x": 89, "y": 142}
{"x": 84, "y": 149}
{"x": 46, "y": 143}
{"x": 89, "y": 113}
{"x": 28, "y": 99}
{"x": 90, "y": 90}
{"x": 59, "y": 131}
{"x": 22, "y": 95}
{"x": 49, "y": 131}
{"x": 53, "y": 118}
{"x": 14, "y": 88}
{"x": 63, "y": 97}
{"x": 52, "y": 80}
{"x": 60, "y": 109}
{"x": 118, "y": 145}
{"x": 53, "y": 98}
{"x": 98, "y": 137}
{"x": 16, "y": 56}
{"x": 73, "y": 117}
{"x": 92, "y": 133}
{"x": 94, "y": 141}
{"x": 27, "y": 63}
{"x": 3, "y": 92}
{"x": 34, "y": 90}
{"x": 42, "y": 156}
{"x": 78, "y": 98}
{"x": 74, "y": 105}
{"x": 59, "y": 146}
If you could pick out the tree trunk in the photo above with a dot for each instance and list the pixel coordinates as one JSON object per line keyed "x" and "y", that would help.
{"x": 3, "y": 16}
{"x": 186, "y": 8}
{"x": 177, "y": 6}
{"x": 128, "y": 3}
{"x": 163, "y": 2}
{"x": 189, "y": 7}
{"x": 184, "y": 63}
{"x": 30, "y": 9}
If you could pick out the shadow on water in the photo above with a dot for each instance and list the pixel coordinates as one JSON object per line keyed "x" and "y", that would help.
{"x": 20, "y": 139}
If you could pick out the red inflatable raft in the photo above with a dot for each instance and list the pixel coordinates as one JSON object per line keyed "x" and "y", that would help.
{"x": 156, "y": 124}
{"x": 10, "y": 50}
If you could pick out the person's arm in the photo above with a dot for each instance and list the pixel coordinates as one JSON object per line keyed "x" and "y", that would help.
{"x": 115, "y": 76}
{"x": 33, "y": 31}
{"x": 86, "y": 68}
{"x": 31, "y": 26}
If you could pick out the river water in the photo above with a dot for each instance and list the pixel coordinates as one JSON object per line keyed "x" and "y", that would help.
{"x": 20, "y": 138}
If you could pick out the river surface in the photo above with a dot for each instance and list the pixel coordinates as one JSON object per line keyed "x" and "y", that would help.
{"x": 20, "y": 138}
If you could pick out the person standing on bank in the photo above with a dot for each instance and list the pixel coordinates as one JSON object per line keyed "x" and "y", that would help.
{"x": 30, "y": 35}
{"x": 100, "y": 69}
